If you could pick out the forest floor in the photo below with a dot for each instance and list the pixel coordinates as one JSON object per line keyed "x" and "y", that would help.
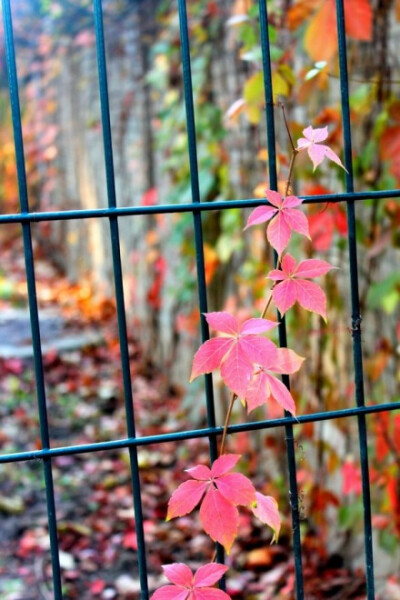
{"x": 93, "y": 491}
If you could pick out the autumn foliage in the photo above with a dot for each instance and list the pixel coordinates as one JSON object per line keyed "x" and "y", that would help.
{"x": 248, "y": 362}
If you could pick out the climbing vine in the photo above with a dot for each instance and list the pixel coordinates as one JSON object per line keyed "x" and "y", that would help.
{"x": 249, "y": 363}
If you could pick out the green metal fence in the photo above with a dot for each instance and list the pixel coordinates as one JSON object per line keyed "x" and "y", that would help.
{"x": 113, "y": 213}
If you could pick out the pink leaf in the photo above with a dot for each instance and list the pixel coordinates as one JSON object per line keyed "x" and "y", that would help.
{"x": 219, "y": 518}
{"x": 189, "y": 586}
{"x": 257, "y": 348}
{"x": 223, "y": 464}
{"x": 312, "y": 268}
{"x": 284, "y": 295}
{"x": 267, "y": 511}
{"x": 254, "y": 326}
{"x": 274, "y": 198}
{"x": 170, "y": 592}
{"x": 200, "y": 472}
{"x": 281, "y": 394}
{"x": 297, "y": 221}
{"x": 210, "y": 355}
{"x": 292, "y": 286}
{"x": 317, "y": 151}
{"x": 288, "y": 264}
{"x": 236, "y": 371}
{"x": 222, "y": 321}
{"x": 278, "y": 233}
{"x": 261, "y": 214}
{"x": 234, "y": 354}
{"x": 257, "y": 393}
{"x": 179, "y": 574}
{"x": 292, "y": 202}
{"x": 311, "y": 297}
{"x": 209, "y": 574}
{"x": 185, "y": 498}
{"x": 283, "y": 219}
{"x": 287, "y": 362}
{"x": 210, "y": 594}
{"x": 276, "y": 275}
{"x": 236, "y": 488}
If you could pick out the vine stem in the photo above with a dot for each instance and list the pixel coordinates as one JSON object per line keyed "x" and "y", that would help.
{"x": 265, "y": 310}
{"x": 226, "y": 424}
{"x": 291, "y": 165}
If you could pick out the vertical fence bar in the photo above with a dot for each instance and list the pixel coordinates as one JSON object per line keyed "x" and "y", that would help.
{"x": 355, "y": 302}
{"x": 198, "y": 230}
{"x": 32, "y": 298}
{"x": 119, "y": 294}
{"x": 273, "y": 181}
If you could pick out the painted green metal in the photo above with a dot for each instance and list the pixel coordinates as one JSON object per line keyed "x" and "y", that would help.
{"x": 273, "y": 182}
{"x": 355, "y": 303}
{"x": 113, "y": 213}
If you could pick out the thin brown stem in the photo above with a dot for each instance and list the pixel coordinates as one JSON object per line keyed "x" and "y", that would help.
{"x": 287, "y": 128}
{"x": 226, "y": 424}
{"x": 291, "y": 165}
{"x": 266, "y": 307}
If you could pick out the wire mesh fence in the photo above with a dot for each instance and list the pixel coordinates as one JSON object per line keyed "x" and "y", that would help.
{"x": 113, "y": 213}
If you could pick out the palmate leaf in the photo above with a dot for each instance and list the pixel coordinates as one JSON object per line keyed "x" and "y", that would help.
{"x": 234, "y": 353}
{"x": 284, "y": 218}
{"x": 222, "y": 492}
{"x": 267, "y": 512}
{"x": 320, "y": 39}
{"x": 264, "y": 385}
{"x": 189, "y": 586}
{"x": 292, "y": 286}
{"x": 316, "y": 151}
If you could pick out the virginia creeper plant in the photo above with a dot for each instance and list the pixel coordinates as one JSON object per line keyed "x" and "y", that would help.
{"x": 249, "y": 365}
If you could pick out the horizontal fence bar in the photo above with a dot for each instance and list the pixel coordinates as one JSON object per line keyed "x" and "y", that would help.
{"x": 121, "y": 211}
{"x": 199, "y": 433}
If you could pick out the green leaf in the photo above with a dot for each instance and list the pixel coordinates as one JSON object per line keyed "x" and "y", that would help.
{"x": 351, "y": 515}
{"x": 388, "y": 541}
{"x": 253, "y": 91}
{"x": 385, "y": 294}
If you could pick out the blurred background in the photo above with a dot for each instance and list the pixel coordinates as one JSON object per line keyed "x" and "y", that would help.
{"x": 59, "y": 92}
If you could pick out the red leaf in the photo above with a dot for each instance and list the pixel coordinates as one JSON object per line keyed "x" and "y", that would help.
{"x": 323, "y": 223}
{"x": 192, "y": 586}
{"x": 223, "y": 491}
{"x": 292, "y": 286}
{"x": 223, "y": 464}
{"x": 130, "y": 540}
{"x": 234, "y": 354}
{"x": 236, "y": 488}
{"x": 209, "y": 574}
{"x": 186, "y": 498}
{"x": 320, "y": 39}
{"x": 200, "y": 472}
{"x": 390, "y": 149}
{"x": 179, "y": 574}
{"x": 351, "y": 478}
{"x": 284, "y": 219}
{"x": 236, "y": 371}
{"x": 223, "y": 321}
{"x": 267, "y": 511}
{"x": 149, "y": 198}
{"x": 170, "y": 592}
{"x": 97, "y": 586}
{"x": 287, "y": 361}
{"x": 210, "y": 355}
{"x": 220, "y": 518}
{"x": 264, "y": 386}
